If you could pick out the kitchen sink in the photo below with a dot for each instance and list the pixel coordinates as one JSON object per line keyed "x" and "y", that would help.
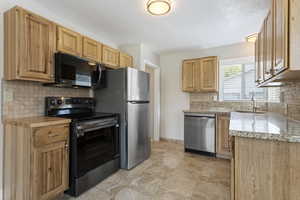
{"x": 256, "y": 112}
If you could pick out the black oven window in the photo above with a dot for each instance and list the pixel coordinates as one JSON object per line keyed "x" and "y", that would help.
{"x": 96, "y": 148}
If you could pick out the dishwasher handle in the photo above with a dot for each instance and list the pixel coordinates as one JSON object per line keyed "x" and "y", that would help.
{"x": 200, "y": 115}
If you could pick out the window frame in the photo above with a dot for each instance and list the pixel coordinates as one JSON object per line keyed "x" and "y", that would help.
{"x": 243, "y": 62}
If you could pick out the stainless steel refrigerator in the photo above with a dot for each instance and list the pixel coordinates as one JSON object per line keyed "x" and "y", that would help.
{"x": 127, "y": 93}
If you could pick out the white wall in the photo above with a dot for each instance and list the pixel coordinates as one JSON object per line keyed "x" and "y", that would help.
{"x": 134, "y": 50}
{"x": 36, "y": 8}
{"x": 142, "y": 55}
{"x": 173, "y": 100}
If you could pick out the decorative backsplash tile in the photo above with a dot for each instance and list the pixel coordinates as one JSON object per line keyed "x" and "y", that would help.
{"x": 289, "y": 105}
{"x": 25, "y": 99}
{"x": 242, "y": 106}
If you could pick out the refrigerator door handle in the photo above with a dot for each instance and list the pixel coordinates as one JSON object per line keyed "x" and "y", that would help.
{"x": 138, "y": 102}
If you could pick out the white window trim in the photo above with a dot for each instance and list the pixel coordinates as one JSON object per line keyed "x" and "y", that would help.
{"x": 233, "y": 61}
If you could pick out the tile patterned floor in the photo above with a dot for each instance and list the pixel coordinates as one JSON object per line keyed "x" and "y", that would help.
{"x": 170, "y": 174}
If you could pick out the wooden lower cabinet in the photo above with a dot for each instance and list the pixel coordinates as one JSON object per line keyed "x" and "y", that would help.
{"x": 266, "y": 170}
{"x": 34, "y": 168}
{"x": 223, "y": 137}
{"x": 50, "y": 169}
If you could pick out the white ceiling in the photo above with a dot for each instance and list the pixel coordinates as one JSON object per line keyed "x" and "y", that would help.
{"x": 191, "y": 24}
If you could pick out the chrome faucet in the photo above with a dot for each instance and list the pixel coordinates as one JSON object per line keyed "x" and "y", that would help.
{"x": 254, "y": 108}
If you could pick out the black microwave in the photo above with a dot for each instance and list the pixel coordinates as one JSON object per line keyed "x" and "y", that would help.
{"x": 72, "y": 71}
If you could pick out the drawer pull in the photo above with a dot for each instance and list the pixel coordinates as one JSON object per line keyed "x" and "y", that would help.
{"x": 67, "y": 147}
{"x": 53, "y": 134}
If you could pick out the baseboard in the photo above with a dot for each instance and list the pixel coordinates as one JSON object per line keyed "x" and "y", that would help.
{"x": 172, "y": 140}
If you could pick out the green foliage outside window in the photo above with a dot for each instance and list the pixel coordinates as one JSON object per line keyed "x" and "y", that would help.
{"x": 232, "y": 71}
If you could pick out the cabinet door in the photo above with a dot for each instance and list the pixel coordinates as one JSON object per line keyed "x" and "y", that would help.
{"x": 209, "y": 74}
{"x": 50, "y": 170}
{"x": 262, "y": 52}
{"x": 37, "y": 44}
{"x": 92, "y": 49}
{"x": 197, "y": 76}
{"x": 188, "y": 77}
{"x": 223, "y": 137}
{"x": 110, "y": 56}
{"x": 280, "y": 58}
{"x": 126, "y": 60}
{"x": 69, "y": 41}
{"x": 257, "y": 63}
{"x": 269, "y": 46}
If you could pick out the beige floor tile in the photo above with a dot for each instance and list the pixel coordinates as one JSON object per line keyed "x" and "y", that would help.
{"x": 169, "y": 174}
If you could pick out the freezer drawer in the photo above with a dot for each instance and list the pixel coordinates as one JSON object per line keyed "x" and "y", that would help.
{"x": 138, "y": 140}
{"x": 199, "y": 133}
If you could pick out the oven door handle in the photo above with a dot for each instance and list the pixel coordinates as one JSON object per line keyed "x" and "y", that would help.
{"x": 98, "y": 127}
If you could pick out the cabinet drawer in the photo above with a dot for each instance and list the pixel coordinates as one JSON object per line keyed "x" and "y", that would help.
{"x": 51, "y": 134}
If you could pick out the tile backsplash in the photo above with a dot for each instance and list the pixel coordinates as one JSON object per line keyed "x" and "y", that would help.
{"x": 25, "y": 99}
{"x": 289, "y": 105}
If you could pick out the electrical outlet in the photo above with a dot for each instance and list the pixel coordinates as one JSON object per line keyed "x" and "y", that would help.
{"x": 8, "y": 95}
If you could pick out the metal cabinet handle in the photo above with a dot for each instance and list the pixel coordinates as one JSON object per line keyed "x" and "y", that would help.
{"x": 67, "y": 147}
{"x": 50, "y": 134}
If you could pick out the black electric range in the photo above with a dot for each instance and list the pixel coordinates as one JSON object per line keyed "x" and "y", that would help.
{"x": 94, "y": 141}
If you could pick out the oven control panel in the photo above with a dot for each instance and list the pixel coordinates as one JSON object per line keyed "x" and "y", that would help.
{"x": 54, "y": 104}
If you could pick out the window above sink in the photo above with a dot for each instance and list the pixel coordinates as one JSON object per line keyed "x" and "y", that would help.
{"x": 237, "y": 82}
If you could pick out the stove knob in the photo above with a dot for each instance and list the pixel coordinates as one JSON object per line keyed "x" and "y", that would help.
{"x": 59, "y": 102}
{"x": 52, "y": 102}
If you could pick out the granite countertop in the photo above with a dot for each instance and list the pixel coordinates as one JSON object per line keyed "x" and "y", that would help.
{"x": 210, "y": 111}
{"x": 35, "y": 122}
{"x": 268, "y": 126}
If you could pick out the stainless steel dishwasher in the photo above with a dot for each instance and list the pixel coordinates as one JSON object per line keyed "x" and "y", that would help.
{"x": 200, "y": 133}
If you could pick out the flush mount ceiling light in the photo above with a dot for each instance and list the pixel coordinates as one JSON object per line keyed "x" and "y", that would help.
{"x": 252, "y": 38}
{"x": 159, "y": 7}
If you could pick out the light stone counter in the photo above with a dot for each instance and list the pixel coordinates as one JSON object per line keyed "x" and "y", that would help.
{"x": 268, "y": 126}
{"x": 210, "y": 111}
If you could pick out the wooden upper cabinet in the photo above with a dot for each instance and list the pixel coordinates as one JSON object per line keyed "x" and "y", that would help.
{"x": 69, "y": 41}
{"x": 257, "y": 63}
{"x": 126, "y": 60}
{"x": 188, "y": 75}
{"x": 262, "y": 50}
{"x": 110, "y": 57}
{"x": 223, "y": 137}
{"x": 280, "y": 45}
{"x": 269, "y": 46}
{"x": 29, "y": 46}
{"x": 92, "y": 49}
{"x": 200, "y": 75}
{"x": 259, "y": 59}
{"x": 209, "y": 74}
